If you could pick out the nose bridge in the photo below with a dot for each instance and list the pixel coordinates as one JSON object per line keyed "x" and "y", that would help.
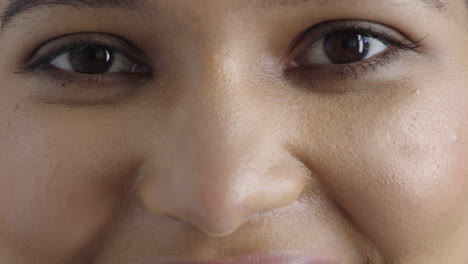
{"x": 216, "y": 100}
{"x": 220, "y": 146}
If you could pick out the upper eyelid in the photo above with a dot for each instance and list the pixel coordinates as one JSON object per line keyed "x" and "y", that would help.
{"x": 74, "y": 39}
{"x": 122, "y": 45}
{"x": 305, "y": 39}
{"x": 332, "y": 26}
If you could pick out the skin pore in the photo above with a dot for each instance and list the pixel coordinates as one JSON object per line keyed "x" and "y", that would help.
{"x": 225, "y": 131}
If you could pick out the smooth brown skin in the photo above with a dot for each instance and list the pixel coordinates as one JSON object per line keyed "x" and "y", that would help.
{"x": 220, "y": 155}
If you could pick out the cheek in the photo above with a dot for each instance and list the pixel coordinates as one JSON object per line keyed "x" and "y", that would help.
{"x": 60, "y": 183}
{"x": 402, "y": 174}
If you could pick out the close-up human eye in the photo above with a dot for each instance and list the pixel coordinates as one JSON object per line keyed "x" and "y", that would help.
{"x": 233, "y": 132}
{"x": 94, "y": 59}
{"x": 87, "y": 58}
{"x": 352, "y": 45}
{"x": 342, "y": 48}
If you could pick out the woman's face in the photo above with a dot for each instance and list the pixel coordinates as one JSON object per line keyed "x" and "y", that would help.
{"x": 280, "y": 131}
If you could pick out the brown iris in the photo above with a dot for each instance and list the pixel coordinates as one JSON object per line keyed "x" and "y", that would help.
{"x": 346, "y": 47}
{"x": 91, "y": 59}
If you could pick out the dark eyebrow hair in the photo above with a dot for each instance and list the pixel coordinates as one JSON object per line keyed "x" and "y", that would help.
{"x": 16, "y": 7}
{"x": 440, "y": 5}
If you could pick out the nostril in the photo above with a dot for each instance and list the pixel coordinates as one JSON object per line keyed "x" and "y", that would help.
{"x": 218, "y": 198}
{"x": 218, "y": 229}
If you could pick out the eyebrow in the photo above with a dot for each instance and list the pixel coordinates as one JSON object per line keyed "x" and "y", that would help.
{"x": 438, "y": 5}
{"x": 16, "y": 7}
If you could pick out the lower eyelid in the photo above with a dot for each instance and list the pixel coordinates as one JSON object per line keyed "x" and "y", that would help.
{"x": 369, "y": 65}
{"x": 61, "y": 77}
{"x": 341, "y": 72}
{"x": 58, "y": 87}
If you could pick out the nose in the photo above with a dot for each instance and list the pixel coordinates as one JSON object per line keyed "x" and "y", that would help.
{"x": 217, "y": 160}
{"x": 218, "y": 191}
{"x": 218, "y": 198}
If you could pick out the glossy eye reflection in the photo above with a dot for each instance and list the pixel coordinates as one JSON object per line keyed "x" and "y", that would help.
{"x": 94, "y": 59}
{"x": 343, "y": 47}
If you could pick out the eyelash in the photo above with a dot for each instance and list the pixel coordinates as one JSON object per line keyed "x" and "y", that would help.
{"x": 342, "y": 71}
{"x": 42, "y": 65}
{"x": 352, "y": 70}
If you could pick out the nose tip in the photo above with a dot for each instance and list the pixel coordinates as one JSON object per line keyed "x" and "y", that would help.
{"x": 217, "y": 221}
{"x": 219, "y": 204}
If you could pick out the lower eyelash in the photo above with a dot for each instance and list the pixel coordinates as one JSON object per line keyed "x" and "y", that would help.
{"x": 310, "y": 78}
{"x": 63, "y": 79}
{"x": 354, "y": 70}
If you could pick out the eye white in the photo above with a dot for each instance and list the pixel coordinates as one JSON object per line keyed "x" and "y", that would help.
{"x": 120, "y": 63}
{"x": 317, "y": 55}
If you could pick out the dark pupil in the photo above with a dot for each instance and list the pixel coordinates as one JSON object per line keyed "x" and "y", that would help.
{"x": 346, "y": 47}
{"x": 91, "y": 59}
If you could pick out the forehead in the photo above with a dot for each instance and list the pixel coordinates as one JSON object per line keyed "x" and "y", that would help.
{"x": 12, "y": 7}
